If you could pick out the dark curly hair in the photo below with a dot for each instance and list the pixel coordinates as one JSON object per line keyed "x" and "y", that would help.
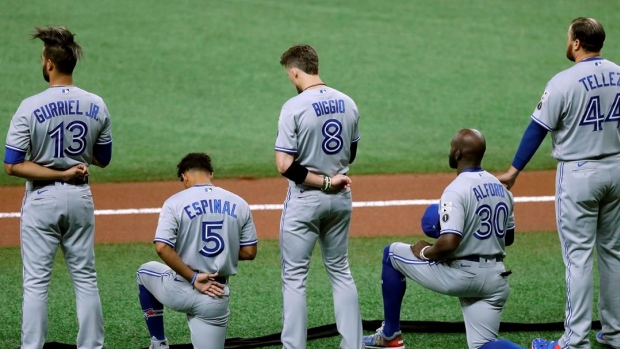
{"x": 194, "y": 161}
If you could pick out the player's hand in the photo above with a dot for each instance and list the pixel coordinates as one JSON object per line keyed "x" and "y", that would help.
{"x": 509, "y": 178}
{"x": 77, "y": 171}
{"x": 418, "y": 246}
{"x": 340, "y": 182}
{"x": 205, "y": 284}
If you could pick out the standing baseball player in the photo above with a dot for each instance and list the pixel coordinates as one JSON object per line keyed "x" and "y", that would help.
{"x": 581, "y": 108}
{"x": 202, "y": 233}
{"x": 467, "y": 259}
{"x": 53, "y": 137}
{"x": 316, "y": 142}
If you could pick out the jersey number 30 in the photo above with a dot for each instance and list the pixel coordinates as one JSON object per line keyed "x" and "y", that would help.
{"x": 78, "y": 130}
{"x": 214, "y": 241}
{"x": 492, "y": 221}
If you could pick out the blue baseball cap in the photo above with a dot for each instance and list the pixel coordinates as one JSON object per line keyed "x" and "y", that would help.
{"x": 430, "y": 221}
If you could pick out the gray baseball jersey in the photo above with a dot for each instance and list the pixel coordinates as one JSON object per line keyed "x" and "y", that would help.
{"x": 318, "y": 127}
{"x": 581, "y": 109}
{"x": 58, "y": 128}
{"x": 206, "y": 225}
{"x": 477, "y": 207}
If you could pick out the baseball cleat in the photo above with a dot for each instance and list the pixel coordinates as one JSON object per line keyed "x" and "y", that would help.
{"x": 540, "y": 343}
{"x": 378, "y": 340}
{"x": 159, "y": 345}
{"x": 600, "y": 337}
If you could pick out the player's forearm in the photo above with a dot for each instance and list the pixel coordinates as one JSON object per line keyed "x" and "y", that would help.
{"x": 31, "y": 171}
{"x": 172, "y": 259}
{"x": 443, "y": 248}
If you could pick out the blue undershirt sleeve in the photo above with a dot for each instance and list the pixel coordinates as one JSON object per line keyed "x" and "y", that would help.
{"x": 353, "y": 152}
{"x": 13, "y": 156}
{"x": 532, "y": 138}
{"x": 103, "y": 153}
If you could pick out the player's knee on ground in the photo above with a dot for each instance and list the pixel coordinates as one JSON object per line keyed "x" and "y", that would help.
{"x": 500, "y": 344}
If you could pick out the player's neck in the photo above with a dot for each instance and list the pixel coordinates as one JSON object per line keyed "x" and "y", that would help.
{"x": 61, "y": 80}
{"x": 580, "y": 56}
{"x": 463, "y": 167}
{"x": 312, "y": 82}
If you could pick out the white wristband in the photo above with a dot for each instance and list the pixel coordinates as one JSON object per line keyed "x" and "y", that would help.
{"x": 422, "y": 256}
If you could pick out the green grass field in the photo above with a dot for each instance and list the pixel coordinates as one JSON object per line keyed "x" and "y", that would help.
{"x": 204, "y": 75}
{"x": 537, "y": 295}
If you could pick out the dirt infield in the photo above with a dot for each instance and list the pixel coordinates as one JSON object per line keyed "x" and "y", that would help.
{"x": 366, "y": 221}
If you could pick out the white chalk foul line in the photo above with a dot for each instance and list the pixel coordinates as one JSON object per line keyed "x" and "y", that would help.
{"x": 274, "y": 207}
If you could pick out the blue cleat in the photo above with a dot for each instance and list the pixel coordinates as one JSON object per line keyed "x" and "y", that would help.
{"x": 540, "y": 343}
{"x": 600, "y": 337}
{"x": 378, "y": 340}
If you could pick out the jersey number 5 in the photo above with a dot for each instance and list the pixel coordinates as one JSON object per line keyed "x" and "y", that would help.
{"x": 214, "y": 241}
{"x": 492, "y": 221}
{"x": 78, "y": 130}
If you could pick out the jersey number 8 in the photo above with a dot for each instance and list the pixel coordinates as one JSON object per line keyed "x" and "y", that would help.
{"x": 492, "y": 221}
{"x": 214, "y": 241}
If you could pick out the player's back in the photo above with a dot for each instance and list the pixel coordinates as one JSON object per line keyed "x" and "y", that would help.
{"x": 326, "y": 125}
{"x": 479, "y": 203}
{"x": 588, "y": 125}
{"x": 64, "y": 124}
{"x": 212, "y": 223}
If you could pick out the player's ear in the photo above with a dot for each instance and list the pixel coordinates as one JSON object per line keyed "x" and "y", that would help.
{"x": 576, "y": 45}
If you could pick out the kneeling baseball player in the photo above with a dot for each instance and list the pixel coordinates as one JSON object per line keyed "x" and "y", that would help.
{"x": 473, "y": 223}
{"x": 203, "y": 231}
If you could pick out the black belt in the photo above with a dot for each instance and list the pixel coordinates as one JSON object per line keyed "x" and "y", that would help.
{"x": 221, "y": 279}
{"x": 75, "y": 181}
{"x": 476, "y": 258}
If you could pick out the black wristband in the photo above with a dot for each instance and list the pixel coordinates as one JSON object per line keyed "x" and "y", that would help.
{"x": 296, "y": 172}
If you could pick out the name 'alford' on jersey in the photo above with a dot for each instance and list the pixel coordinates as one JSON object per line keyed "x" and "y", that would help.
{"x": 477, "y": 207}
{"x": 202, "y": 225}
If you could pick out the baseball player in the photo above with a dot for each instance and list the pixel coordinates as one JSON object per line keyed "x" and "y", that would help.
{"x": 466, "y": 261}
{"x": 202, "y": 233}
{"x": 316, "y": 142}
{"x": 581, "y": 108}
{"x": 52, "y": 139}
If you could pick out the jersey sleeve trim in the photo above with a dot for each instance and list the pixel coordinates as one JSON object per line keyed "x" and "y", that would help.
{"x": 286, "y": 150}
{"x": 8, "y": 146}
{"x": 104, "y": 142}
{"x": 165, "y": 241}
{"x": 510, "y": 227}
{"x": 538, "y": 121}
{"x": 451, "y": 231}
{"x": 13, "y": 156}
{"x": 356, "y": 139}
{"x": 248, "y": 243}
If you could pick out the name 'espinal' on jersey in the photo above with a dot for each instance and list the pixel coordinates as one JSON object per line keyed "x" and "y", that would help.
{"x": 66, "y": 107}
{"x": 490, "y": 189}
{"x": 198, "y": 208}
{"x": 330, "y": 106}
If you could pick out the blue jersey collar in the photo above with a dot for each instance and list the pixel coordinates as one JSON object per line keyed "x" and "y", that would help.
{"x": 473, "y": 169}
{"x": 599, "y": 58}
